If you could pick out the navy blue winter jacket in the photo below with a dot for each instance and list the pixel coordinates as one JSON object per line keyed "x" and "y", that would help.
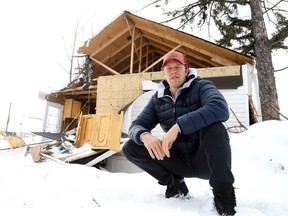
{"x": 197, "y": 104}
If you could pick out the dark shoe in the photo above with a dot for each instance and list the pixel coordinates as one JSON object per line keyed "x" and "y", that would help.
{"x": 177, "y": 189}
{"x": 225, "y": 200}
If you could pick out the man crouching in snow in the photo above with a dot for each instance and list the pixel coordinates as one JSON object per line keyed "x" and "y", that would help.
{"x": 190, "y": 111}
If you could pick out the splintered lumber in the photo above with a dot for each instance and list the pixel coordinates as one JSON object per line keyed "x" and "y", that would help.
{"x": 52, "y": 158}
{"x": 35, "y": 152}
{"x": 79, "y": 155}
{"x": 103, "y": 156}
{"x": 39, "y": 149}
{"x": 15, "y": 141}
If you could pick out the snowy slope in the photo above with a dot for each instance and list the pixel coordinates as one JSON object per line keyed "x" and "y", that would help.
{"x": 259, "y": 164}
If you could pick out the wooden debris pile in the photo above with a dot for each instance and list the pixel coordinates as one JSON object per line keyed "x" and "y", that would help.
{"x": 40, "y": 152}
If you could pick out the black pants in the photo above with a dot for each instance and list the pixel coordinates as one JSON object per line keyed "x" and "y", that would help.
{"x": 212, "y": 160}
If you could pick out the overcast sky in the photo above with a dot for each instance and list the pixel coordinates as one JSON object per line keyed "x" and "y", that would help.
{"x": 36, "y": 35}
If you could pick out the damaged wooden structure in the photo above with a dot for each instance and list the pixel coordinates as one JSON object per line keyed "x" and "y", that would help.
{"x": 129, "y": 51}
{"x": 13, "y": 140}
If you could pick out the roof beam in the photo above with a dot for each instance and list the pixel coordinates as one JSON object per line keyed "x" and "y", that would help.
{"x": 105, "y": 66}
{"x": 109, "y": 42}
{"x": 198, "y": 55}
{"x": 132, "y": 50}
{"x": 152, "y": 65}
{"x": 180, "y": 38}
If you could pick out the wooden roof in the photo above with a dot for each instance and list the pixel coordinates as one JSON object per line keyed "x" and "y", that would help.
{"x": 148, "y": 41}
{"x": 132, "y": 44}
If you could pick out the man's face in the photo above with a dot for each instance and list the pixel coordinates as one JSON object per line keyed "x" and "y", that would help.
{"x": 175, "y": 73}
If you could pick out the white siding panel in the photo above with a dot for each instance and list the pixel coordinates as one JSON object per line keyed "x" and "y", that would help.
{"x": 236, "y": 99}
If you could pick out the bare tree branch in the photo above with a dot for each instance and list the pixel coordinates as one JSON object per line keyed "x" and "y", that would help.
{"x": 279, "y": 112}
{"x": 281, "y": 69}
{"x": 274, "y": 6}
{"x": 152, "y": 3}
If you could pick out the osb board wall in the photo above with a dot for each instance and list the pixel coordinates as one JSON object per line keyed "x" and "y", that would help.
{"x": 116, "y": 91}
{"x": 219, "y": 71}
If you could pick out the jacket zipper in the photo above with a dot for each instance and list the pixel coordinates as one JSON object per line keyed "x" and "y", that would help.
{"x": 174, "y": 112}
{"x": 174, "y": 108}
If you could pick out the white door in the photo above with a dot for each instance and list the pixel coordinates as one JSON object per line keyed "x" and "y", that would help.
{"x": 53, "y": 117}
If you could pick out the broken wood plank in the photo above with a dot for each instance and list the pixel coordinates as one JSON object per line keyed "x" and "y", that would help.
{"x": 52, "y": 158}
{"x": 79, "y": 155}
{"x": 36, "y": 153}
{"x": 103, "y": 156}
{"x": 15, "y": 141}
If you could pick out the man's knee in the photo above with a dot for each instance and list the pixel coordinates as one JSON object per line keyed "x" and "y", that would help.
{"x": 214, "y": 129}
{"x": 132, "y": 150}
{"x": 215, "y": 133}
{"x": 126, "y": 149}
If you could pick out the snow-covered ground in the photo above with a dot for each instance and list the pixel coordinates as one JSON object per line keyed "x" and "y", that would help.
{"x": 260, "y": 166}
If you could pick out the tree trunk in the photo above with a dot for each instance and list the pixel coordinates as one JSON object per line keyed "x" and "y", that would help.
{"x": 267, "y": 86}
